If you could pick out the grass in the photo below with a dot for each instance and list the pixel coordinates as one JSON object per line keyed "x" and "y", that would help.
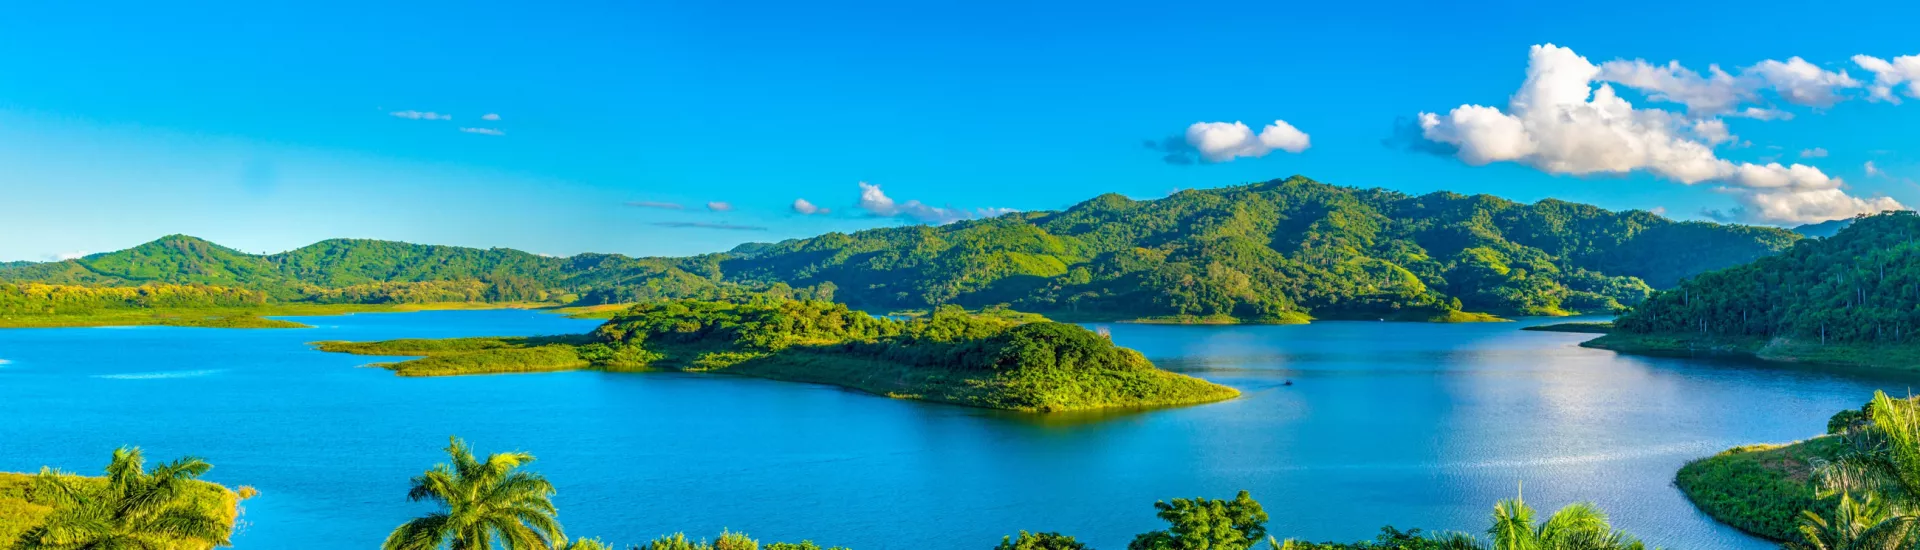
{"x": 21, "y": 509}
{"x": 458, "y": 356}
{"x": 236, "y": 317}
{"x": 1781, "y": 350}
{"x": 1589, "y": 327}
{"x": 602, "y": 311}
{"x": 1760, "y": 489}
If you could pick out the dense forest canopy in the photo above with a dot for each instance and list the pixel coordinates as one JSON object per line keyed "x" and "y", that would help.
{"x": 1272, "y": 251}
{"x": 1862, "y": 285}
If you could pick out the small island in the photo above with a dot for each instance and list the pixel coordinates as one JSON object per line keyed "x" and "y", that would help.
{"x": 993, "y": 359}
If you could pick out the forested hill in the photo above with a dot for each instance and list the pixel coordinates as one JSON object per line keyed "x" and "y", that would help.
{"x": 1270, "y": 251}
{"x": 1273, "y": 251}
{"x": 1860, "y": 286}
{"x": 369, "y": 271}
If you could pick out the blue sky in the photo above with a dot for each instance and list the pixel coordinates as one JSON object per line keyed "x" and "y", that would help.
{"x": 266, "y": 126}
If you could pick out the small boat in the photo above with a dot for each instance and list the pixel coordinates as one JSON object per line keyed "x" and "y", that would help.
{"x": 1287, "y": 383}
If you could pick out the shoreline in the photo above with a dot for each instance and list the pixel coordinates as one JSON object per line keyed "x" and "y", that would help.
{"x": 1774, "y": 350}
{"x": 260, "y": 317}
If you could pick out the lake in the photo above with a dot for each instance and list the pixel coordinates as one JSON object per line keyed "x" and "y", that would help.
{"x": 1414, "y": 425}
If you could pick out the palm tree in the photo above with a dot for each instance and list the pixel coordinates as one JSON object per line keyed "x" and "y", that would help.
{"x": 1864, "y": 524}
{"x": 483, "y": 503}
{"x": 583, "y": 544}
{"x": 1578, "y": 526}
{"x": 165, "y": 508}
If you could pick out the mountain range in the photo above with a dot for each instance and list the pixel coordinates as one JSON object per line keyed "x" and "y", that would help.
{"x": 1274, "y": 251}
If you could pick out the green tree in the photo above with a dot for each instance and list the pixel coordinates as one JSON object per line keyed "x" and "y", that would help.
{"x": 1039, "y": 541}
{"x": 1206, "y": 524}
{"x": 483, "y": 503}
{"x": 1868, "y": 523}
{"x": 1578, "y": 526}
{"x": 134, "y": 509}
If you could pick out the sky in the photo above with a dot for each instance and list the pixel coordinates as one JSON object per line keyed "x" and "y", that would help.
{"x": 674, "y": 128}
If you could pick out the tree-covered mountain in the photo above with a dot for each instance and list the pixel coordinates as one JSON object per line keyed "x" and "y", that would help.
{"x": 7, "y": 265}
{"x": 1860, "y": 286}
{"x": 1823, "y": 229}
{"x": 1274, "y": 251}
{"x": 1271, "y": 250}
{"x": 369, "y": 271}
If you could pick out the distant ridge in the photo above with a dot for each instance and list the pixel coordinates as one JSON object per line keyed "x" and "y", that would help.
{"x": 1276, "y": 251}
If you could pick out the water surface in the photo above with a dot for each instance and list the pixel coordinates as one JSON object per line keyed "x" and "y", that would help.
{"x": 1415, "y": 425}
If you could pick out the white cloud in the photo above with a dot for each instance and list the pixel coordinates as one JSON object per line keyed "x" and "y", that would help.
{"x": 718, "y": 206}
{"x": 64, "y": 256}
{"x": 801, "y": 206}
{"x": 1560, "y": 123}
{"x": 484, "y": 131}
{"x": 1713, "y": 131}
{"x": 1717, "y": 92}
{"x": 1758, "y": 113}
{"x": 1890, "y": 75}
{"x": 490, "y": 116}
{"x": 1804, "y": 83}
{"x": 421, "y": 115}
{"x": 877, "y": 203}
{"x": 1814, "y": 153}
{"x": 1874, "y": 170}
{"x": 1225, "y": 141}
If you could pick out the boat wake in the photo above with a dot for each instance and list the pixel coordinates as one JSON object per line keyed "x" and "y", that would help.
{"x": 160, "y": 375}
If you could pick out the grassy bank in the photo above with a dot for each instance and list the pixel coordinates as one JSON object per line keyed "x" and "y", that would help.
{"x": 23, "y": 508}
{"x": 1781, "y": 350}
{"x": 1587, "y": 327}
{"x": 232, "y": 317}
{"x": 1760, "y": 489}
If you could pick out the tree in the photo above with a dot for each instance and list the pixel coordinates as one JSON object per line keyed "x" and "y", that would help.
{"x": 1869, "y": 523}
{"x": 482, "y": 503}
{"x": 1039, "y": 541}
{"x": 1877, "y": 481}
{"x": 1206, "y": 524}
{"x": 163, "y": 508}
{"x": 1578, "y": 526}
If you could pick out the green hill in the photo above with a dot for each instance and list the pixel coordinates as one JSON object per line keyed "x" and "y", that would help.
{"x": 1852, "y": 298}
{"x": 1269, "y": 251}
{"x": 1279, "y": 251}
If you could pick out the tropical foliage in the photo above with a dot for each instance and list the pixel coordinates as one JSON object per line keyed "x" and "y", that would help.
{"x": 134, "y": 507}
{"x": 482, "y": 503}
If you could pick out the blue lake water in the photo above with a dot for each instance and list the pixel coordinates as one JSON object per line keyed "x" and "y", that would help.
{"x": 1414, "y": 425}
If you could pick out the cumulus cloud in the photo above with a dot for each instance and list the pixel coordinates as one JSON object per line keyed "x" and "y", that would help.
{"x": 876, "y": 203}
{"x": 1903, "y": 71}
{"x": 64, "y": 256}
{"x": 718, "y": 206}
{"x": 421, "y": 115}
{"x": 802, "y": 207}
{"x": 490, "y": 116}
{"x": 1803, "y": 83}
{"x": 711, "y": 225}
{"x": 1718, "y": 92}
{"x": 484, "y": 131}
{"x": 658, "y": 205}
{"x": 1814, "y": 153}
{"x": 1874, "y": 170}
{"x": 1225, "y": 141}
{"x": 1559, "y": 122}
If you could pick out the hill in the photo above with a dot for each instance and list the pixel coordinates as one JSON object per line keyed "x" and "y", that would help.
{"x": 1823, "y": 229}
{"x": 1853, "y": 298}
{"x": 1278, "y": 251}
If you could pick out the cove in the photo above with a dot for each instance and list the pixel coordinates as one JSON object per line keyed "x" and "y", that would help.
{"x": 1409, "y": 424}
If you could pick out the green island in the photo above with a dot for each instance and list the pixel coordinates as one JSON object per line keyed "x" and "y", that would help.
{"x": 1857, "y": 485}
{"x": 1852, "y": 299}
{"x": 1282, "y": 251}
{"x": 993, "y": 359}
{"x": 164, "y": 507}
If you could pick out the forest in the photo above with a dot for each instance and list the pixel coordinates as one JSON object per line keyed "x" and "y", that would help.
{"x": 1279, "y": 251}
{"x": 1860, "y": 286}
